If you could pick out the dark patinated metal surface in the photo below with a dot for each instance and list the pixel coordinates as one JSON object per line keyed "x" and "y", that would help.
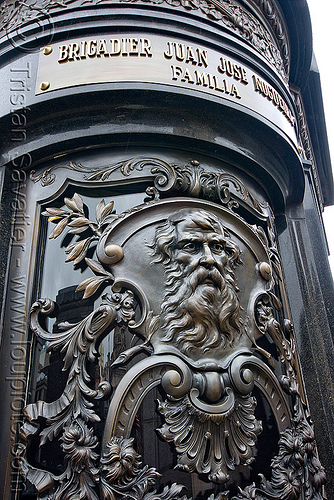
{"x": 163, "y": 176}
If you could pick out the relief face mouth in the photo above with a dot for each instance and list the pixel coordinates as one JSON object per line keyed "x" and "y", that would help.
{"x": 211, "y": 278}
{"x": 209, "y": 282}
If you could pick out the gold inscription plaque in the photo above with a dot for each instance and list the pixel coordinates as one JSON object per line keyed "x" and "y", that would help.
{"x": 158, "y": 59}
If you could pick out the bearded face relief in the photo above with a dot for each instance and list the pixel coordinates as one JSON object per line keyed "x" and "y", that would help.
{"x": 201, "y": 307}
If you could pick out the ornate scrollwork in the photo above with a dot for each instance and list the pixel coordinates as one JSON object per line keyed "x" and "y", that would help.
{"x": 68, "y": 414}
{"x": 190, "y": 179}
{"x": 269, "y": 325}
{"x": 269, "y": 9}
{"x": 195, "y": 181}
{"x": 94, "y": 174}
{"x": 200, "y": 346}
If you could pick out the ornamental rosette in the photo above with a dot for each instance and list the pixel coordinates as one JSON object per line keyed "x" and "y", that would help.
{"x": 120, "y": 462}
{"x": 78, "y": 442}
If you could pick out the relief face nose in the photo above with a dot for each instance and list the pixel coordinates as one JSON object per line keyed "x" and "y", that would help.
{"x": 207, "y": 257}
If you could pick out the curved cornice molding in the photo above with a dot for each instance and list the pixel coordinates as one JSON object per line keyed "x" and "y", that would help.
{"x": 298, "y": 24}
{"x": 267, "y": 35}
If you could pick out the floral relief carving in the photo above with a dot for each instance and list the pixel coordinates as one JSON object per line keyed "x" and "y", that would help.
{"x": 123, "y": 473}
{"x": 198, "y": 339}
{"x": 270, "y": 11}
{"x": 296, "y": 469}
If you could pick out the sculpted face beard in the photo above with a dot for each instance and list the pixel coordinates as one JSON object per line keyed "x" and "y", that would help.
{"x": 200, "y": 308}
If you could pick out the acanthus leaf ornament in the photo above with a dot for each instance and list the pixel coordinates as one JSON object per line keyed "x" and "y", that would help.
{"x": 209, "y": 443}
{"x": 193, "y": 180}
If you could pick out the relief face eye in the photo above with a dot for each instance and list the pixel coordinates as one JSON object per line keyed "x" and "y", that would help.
{"x": 217, "y": 247}
{"x": 190, "y": 246}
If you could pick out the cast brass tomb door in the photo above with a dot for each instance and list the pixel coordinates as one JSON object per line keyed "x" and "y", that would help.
{"x": 179, "y": 376}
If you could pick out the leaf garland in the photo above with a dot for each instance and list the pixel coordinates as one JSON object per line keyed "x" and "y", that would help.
{"x": 75, "y": 219}
{"x": 77, "y": 222}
